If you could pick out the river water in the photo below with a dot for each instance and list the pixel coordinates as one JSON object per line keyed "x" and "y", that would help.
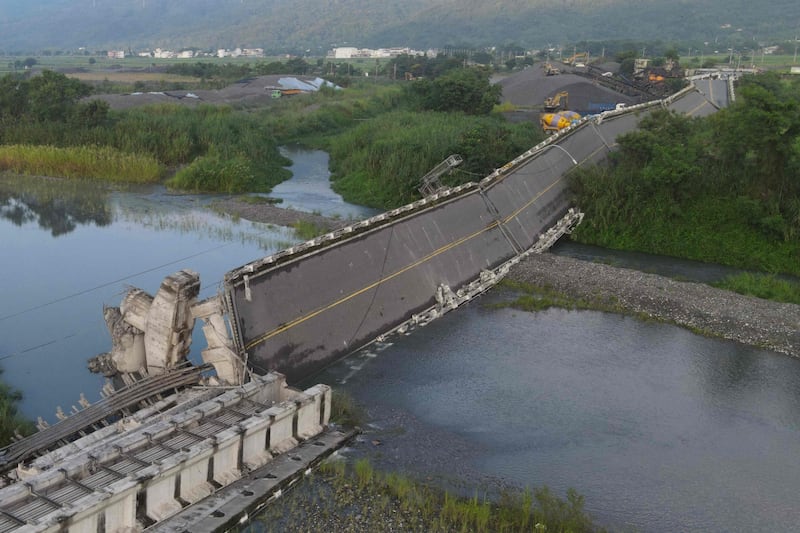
{"x": 659, "y": 429}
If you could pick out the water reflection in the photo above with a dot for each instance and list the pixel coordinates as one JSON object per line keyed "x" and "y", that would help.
{"x": 660, "y": 429}
{"x": 58, "y": 206}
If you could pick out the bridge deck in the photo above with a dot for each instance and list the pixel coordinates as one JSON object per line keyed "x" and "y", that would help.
{"x": 296, "y": 312}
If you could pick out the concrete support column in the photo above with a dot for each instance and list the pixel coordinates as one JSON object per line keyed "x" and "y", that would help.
{"x": 324, "y": 397}
{"x": 161, "y": 502}
{"x": 226, "y": 458}
{"x": 281, "y": 432}
{"x": 271, "y": 389}
{"x": 307, "y": 416}
{"x": 254, "y": 442}
{"x": 121, "y": 514}
{"x": 85, "y": 525}
{"x": 194, "y": 477}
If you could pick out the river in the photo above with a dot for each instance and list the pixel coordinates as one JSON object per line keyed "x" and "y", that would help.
{"x": 659, "y": 429}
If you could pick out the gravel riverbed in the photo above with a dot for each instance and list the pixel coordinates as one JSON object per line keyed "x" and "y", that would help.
{"x": 771, "y": 325}
{"x": 270, "y": 214}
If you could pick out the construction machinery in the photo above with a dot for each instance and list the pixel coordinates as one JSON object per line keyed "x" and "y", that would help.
{"x": 555, "y": 122}
{"x": 554, "y": 103}
{"x": 550, "y": 70}
{"x": 575, "y": 59}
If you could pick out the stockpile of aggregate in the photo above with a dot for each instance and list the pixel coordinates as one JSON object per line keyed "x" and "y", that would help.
{"x": 530, "y": 87}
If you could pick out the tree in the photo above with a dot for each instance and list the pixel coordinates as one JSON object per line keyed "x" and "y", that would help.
{"x": 92, "y": 114}
{"x": 465, "y": 90}
{"x": 672, "y": 54}
{"x": 297, "y": 65}
{"x": 757, "y": 141}
{"x": 13, "y": 98}
{"x": 51, "y": 96}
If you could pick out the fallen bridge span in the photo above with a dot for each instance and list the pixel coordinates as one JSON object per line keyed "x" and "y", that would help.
{"x": 298, "y": 310}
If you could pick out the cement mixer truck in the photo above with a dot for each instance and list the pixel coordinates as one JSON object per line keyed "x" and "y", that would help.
{"x": 555, "y": 122}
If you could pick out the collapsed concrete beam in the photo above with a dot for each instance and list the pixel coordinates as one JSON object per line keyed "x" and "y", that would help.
{"x": 153, "y": 334}
{"x": 168, "y": 330}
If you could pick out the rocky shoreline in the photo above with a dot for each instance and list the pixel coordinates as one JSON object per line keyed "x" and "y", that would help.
{"x": 708, "y": 310}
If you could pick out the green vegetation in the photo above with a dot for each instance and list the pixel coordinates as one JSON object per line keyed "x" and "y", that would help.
{"x": 307, "y": 230}
{"x": 379, "y": 162}
{"x": 768, "y": 287}
{"x": 538, "y": 298}
{"x": 723, "y": 189}
{"x": 216, "y": 148}
{"x": 345, "y": 410}
{"x": 101, "y": 162}
{"x": 466, "y": 90}
{"x": 358, "y": 497}
{"x": 11, "y": 422}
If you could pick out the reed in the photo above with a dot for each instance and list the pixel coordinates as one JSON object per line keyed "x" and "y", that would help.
{"x": 380, "y": 162}
{"x": 96, "y": 162}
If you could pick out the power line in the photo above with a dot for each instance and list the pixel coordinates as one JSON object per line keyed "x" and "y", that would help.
{"x": 109, "y": 283}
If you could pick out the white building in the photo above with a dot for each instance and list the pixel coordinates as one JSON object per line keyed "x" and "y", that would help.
{"x": 349, "y": 52}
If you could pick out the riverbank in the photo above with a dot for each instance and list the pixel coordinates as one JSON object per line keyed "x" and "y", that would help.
{"x": 271, "y": 214}
{"x": 705, "y": 309}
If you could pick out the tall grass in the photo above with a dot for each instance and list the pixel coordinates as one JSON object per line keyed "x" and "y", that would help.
{"x": 307, "y": 230}
{"x": 314, "y": 117}
{"x": 763, "y": 286}
{"x": 358, "y": 497}
{"x": 101, "y": 162}
{"x": 380, "y": 162}
{"x": 217, "y": 148}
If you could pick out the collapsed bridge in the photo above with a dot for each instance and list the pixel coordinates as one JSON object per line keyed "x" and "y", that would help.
{"x": 152, "y": 455}
{"x": 300, "y": 309}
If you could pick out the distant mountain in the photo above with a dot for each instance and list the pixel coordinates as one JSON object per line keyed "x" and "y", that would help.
{"x": 296, "y": 25}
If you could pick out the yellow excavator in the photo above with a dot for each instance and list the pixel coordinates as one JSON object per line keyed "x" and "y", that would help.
{"x": 577, "y": 59}
{"x": 553, "y": 103}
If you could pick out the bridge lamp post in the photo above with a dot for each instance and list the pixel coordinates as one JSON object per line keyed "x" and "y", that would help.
{"x": 563, "y": 150}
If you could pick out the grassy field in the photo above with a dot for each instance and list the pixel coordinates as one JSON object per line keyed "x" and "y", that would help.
{"x": 131, "y": 77}
{"x": 106, "y": 64}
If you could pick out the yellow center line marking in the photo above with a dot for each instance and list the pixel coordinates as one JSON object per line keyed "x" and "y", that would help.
{"x": 532, "y": 200}
{"x": 304, "y": 318}
{"x": 317, "y": 312}
{"x": 699, "y": 106}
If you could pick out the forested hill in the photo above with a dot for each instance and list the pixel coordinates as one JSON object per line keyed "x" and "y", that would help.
{"x": 317, "y": 25}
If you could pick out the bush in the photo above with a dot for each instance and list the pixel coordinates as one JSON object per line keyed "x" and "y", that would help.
{"x": 213, "y": 174}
